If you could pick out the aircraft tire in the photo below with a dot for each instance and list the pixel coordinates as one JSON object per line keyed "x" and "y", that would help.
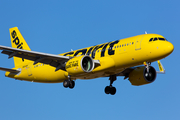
{"x": 110, "y": 90}
{"x": 71, "y": 84}
{"x": 113, "y": 91}
{"x": 107, "y": 89}
{"x": 66, "y": 83}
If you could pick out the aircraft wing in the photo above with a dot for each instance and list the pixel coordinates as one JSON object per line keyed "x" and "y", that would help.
{"x": 127, "y": 71}
{"x": 51, "y": 59}
{"x": 9, "y": 70}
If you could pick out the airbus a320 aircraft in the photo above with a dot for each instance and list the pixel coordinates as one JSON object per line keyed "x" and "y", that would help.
{"x": 124, "y": 57}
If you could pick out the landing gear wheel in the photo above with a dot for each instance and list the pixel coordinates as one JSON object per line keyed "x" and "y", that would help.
{"x": 113, "y": 91}
{"x": 66, "y": 83}
{"x": 107, "y": 89}
{"x": 71, "y": 84}
{"x": 110, "y": 90}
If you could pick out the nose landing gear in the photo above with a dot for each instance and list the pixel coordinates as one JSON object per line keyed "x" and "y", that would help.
{"x": 148, "y": 74}
{"x": 110, "y": 89}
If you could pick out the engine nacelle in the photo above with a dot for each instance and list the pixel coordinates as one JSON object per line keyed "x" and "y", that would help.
{"x": 140, "y": 76}
{"x": 79, "y": 65}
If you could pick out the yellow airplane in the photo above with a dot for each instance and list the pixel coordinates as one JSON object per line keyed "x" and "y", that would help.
{"x": 124, "y": 57}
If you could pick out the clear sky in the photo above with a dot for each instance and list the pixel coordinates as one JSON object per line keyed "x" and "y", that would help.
{"x": 57, "y": 26}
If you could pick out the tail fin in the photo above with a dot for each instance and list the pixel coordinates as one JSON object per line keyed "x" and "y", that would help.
{"x": 17, "y": 41}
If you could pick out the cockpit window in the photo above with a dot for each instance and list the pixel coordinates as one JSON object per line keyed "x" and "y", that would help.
{"x": 163, "y": 39}
{"x": 155, "y": 39}
{"x": 150, "y": 39}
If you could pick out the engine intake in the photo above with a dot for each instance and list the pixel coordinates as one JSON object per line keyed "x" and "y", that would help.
{"x": 140, "y": 76}
{"x": 80, "y": 65}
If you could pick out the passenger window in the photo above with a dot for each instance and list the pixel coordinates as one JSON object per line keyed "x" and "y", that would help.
{"x": 155, "y": 39}
{"x": 150, "y": 39}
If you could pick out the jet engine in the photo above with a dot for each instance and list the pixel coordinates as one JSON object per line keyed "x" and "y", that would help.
{"x": 80, "y": 65}
{"x": 141, "y": 76}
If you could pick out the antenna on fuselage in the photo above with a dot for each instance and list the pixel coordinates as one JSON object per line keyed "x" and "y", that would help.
{"x": 145, "y": 32}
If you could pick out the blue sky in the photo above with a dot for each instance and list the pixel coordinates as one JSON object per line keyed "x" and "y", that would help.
{"x": 59, "y": 26}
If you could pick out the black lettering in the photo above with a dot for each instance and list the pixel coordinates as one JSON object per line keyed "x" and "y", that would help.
{"x": 89, "y": 51}
{"x": 19, "y": 46}
{"x": 16, "y": 41}
{"x": 95, "y": 49}
{"x": 83, "y": 51}
{"x": 110, "y": 51}
{"x": 68, "y": 66}
{"x": 69, "y": 53}
{"x": 104, "y": 49}
{"x": 13, "y": 34}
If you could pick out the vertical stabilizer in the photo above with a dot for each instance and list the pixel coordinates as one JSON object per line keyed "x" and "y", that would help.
{"x": 17, "y": 41}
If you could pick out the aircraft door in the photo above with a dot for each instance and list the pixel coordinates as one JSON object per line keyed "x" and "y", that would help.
{"x": 29, "y": 70}
{"x": 138, "y": 43}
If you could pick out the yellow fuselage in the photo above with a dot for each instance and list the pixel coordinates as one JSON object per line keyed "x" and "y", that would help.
{"x": 114, "y": 57}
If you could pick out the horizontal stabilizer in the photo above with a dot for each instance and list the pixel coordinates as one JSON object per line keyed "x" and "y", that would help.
{"x": 9, "y": 70}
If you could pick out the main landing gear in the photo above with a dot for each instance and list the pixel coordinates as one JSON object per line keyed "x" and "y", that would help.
{"x": 110, "y": 89}
{"x": 69, "y": 83}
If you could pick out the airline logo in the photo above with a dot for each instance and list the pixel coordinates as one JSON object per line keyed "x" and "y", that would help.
{"x": 16, "y": 40}
{"x": 92, "y": 51}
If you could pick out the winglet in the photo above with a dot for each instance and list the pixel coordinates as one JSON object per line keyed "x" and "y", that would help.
{"x": 161, "y": 68}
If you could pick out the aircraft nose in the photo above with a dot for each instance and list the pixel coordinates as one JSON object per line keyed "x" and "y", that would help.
{"x": 170, "y": 47}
